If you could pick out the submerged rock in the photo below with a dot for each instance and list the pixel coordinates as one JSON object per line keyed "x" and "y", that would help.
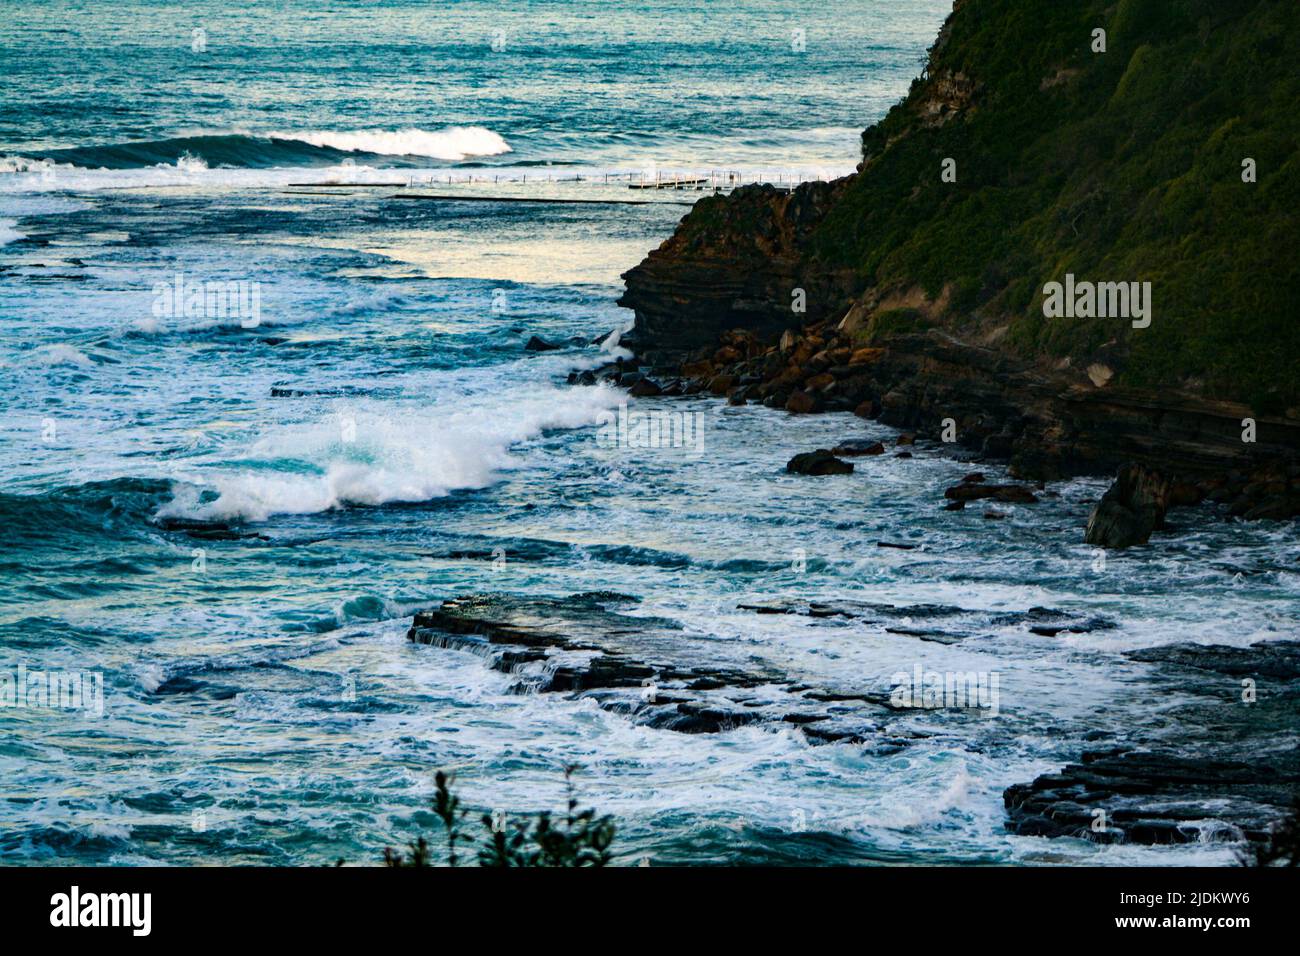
{"x": 819, "y": 462}
{"x": 645, "y": 388}
{"x": 585, "y": 646}
{"x": 801, "y": 403}
{"x": 858, "y": 446}
{"x": 1011, "y": 494}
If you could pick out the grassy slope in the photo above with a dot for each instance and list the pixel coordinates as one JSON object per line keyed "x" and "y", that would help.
{"x": 1128, "y": 170}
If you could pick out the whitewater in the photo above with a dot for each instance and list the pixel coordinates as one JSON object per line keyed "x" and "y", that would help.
{"x": 235, "y": 523}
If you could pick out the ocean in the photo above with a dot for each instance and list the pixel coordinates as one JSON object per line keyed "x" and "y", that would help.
{"x": 252, "y": 425}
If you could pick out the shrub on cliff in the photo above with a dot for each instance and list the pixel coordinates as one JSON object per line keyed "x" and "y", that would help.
{"x": 1123, "y": 165}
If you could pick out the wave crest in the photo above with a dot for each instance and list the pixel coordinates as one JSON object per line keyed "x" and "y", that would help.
{"x": 454, "y": 143}
{"x": 246, "y": 150}
{"x": 370, "y": 458}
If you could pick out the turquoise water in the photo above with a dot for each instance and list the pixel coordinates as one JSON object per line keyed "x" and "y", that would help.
{"x": 377, "y": 428}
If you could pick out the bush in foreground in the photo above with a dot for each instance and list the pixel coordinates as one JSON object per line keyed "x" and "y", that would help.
{"x": 579, "y": 839}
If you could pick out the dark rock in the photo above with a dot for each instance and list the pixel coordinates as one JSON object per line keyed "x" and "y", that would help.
{"x": 998, "y": 446}
{"x": 1010, "y": 494}
{"x": 1049, "y": 622}
{"x": 645, "y": 388}
{"x": 539, "y": 344}
{"x": 1184, "y": 494}
{"x": 819, "y": 462}
{"x": 819, "y": 383}
{"x": 583, "y": 645}
{"x": 1279, "y": 660}
{"x": 1130, "y": 510}
{"x": 801, "y": 403}
{"x": 721, "y": 384}
{"x": 974, "y": 478}
{"x": 1206, "y": 790}
{"x": 1276, "y": 508}
{"x": 1154, "y": 797}
{"x": 858, "y": 446}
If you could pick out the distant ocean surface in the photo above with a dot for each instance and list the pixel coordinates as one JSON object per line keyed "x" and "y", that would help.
{"x": 377, "y": 427}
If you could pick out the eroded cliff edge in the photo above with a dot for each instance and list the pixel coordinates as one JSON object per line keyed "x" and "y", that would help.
{"x": 1169, "y": 158}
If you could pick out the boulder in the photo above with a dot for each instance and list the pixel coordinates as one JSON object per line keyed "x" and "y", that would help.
{"x": 539, "y": 344}
{"x": 1132, "y": 508}
{"x": 1011, "y": 494}
{"x": 858, "y": 446}
{"x": 819, "y": 462}
{"x": 722, "y": 384}
{"x": 645, "y": 388}
{"x": 802, "y": 403}
{"x": 701, "y": 369}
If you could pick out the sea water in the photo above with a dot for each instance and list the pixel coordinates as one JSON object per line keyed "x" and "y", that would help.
{"x": 377, "y": 439}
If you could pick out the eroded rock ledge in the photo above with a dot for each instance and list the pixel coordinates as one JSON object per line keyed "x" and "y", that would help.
{"x": 1231, "y": 770}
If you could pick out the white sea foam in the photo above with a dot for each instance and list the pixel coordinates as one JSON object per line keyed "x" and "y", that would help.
{"x": 61, "y": 354}
{"x": 452, "y": 143}
{"x": 189, "y": 163}
{"x": 366, "y": 457}
{"x": 8, "y": 233}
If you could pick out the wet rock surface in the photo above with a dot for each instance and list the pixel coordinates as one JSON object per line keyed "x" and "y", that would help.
{"x": 691, "y": 324}
{"x": 972, "y": 491}
{"x": 1130, "y": 510}
{"x": 586, "y": 645}
{"x": 1228, "y": 768}
{"x": 905, "y": 619}
{"x": 1217, "y": 768}
{"x": 820, "y": 462}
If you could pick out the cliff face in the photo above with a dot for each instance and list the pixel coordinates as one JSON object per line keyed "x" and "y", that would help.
{"x": 735, "y": 262}
{"x": 1023, "y": 155}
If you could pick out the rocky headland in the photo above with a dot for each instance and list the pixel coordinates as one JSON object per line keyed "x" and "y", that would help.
{"x": 913, "y": 290}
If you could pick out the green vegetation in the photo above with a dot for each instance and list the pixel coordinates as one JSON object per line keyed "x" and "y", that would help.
{"x": 1116, "y": 166}
{"x": 583, "y": 839}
